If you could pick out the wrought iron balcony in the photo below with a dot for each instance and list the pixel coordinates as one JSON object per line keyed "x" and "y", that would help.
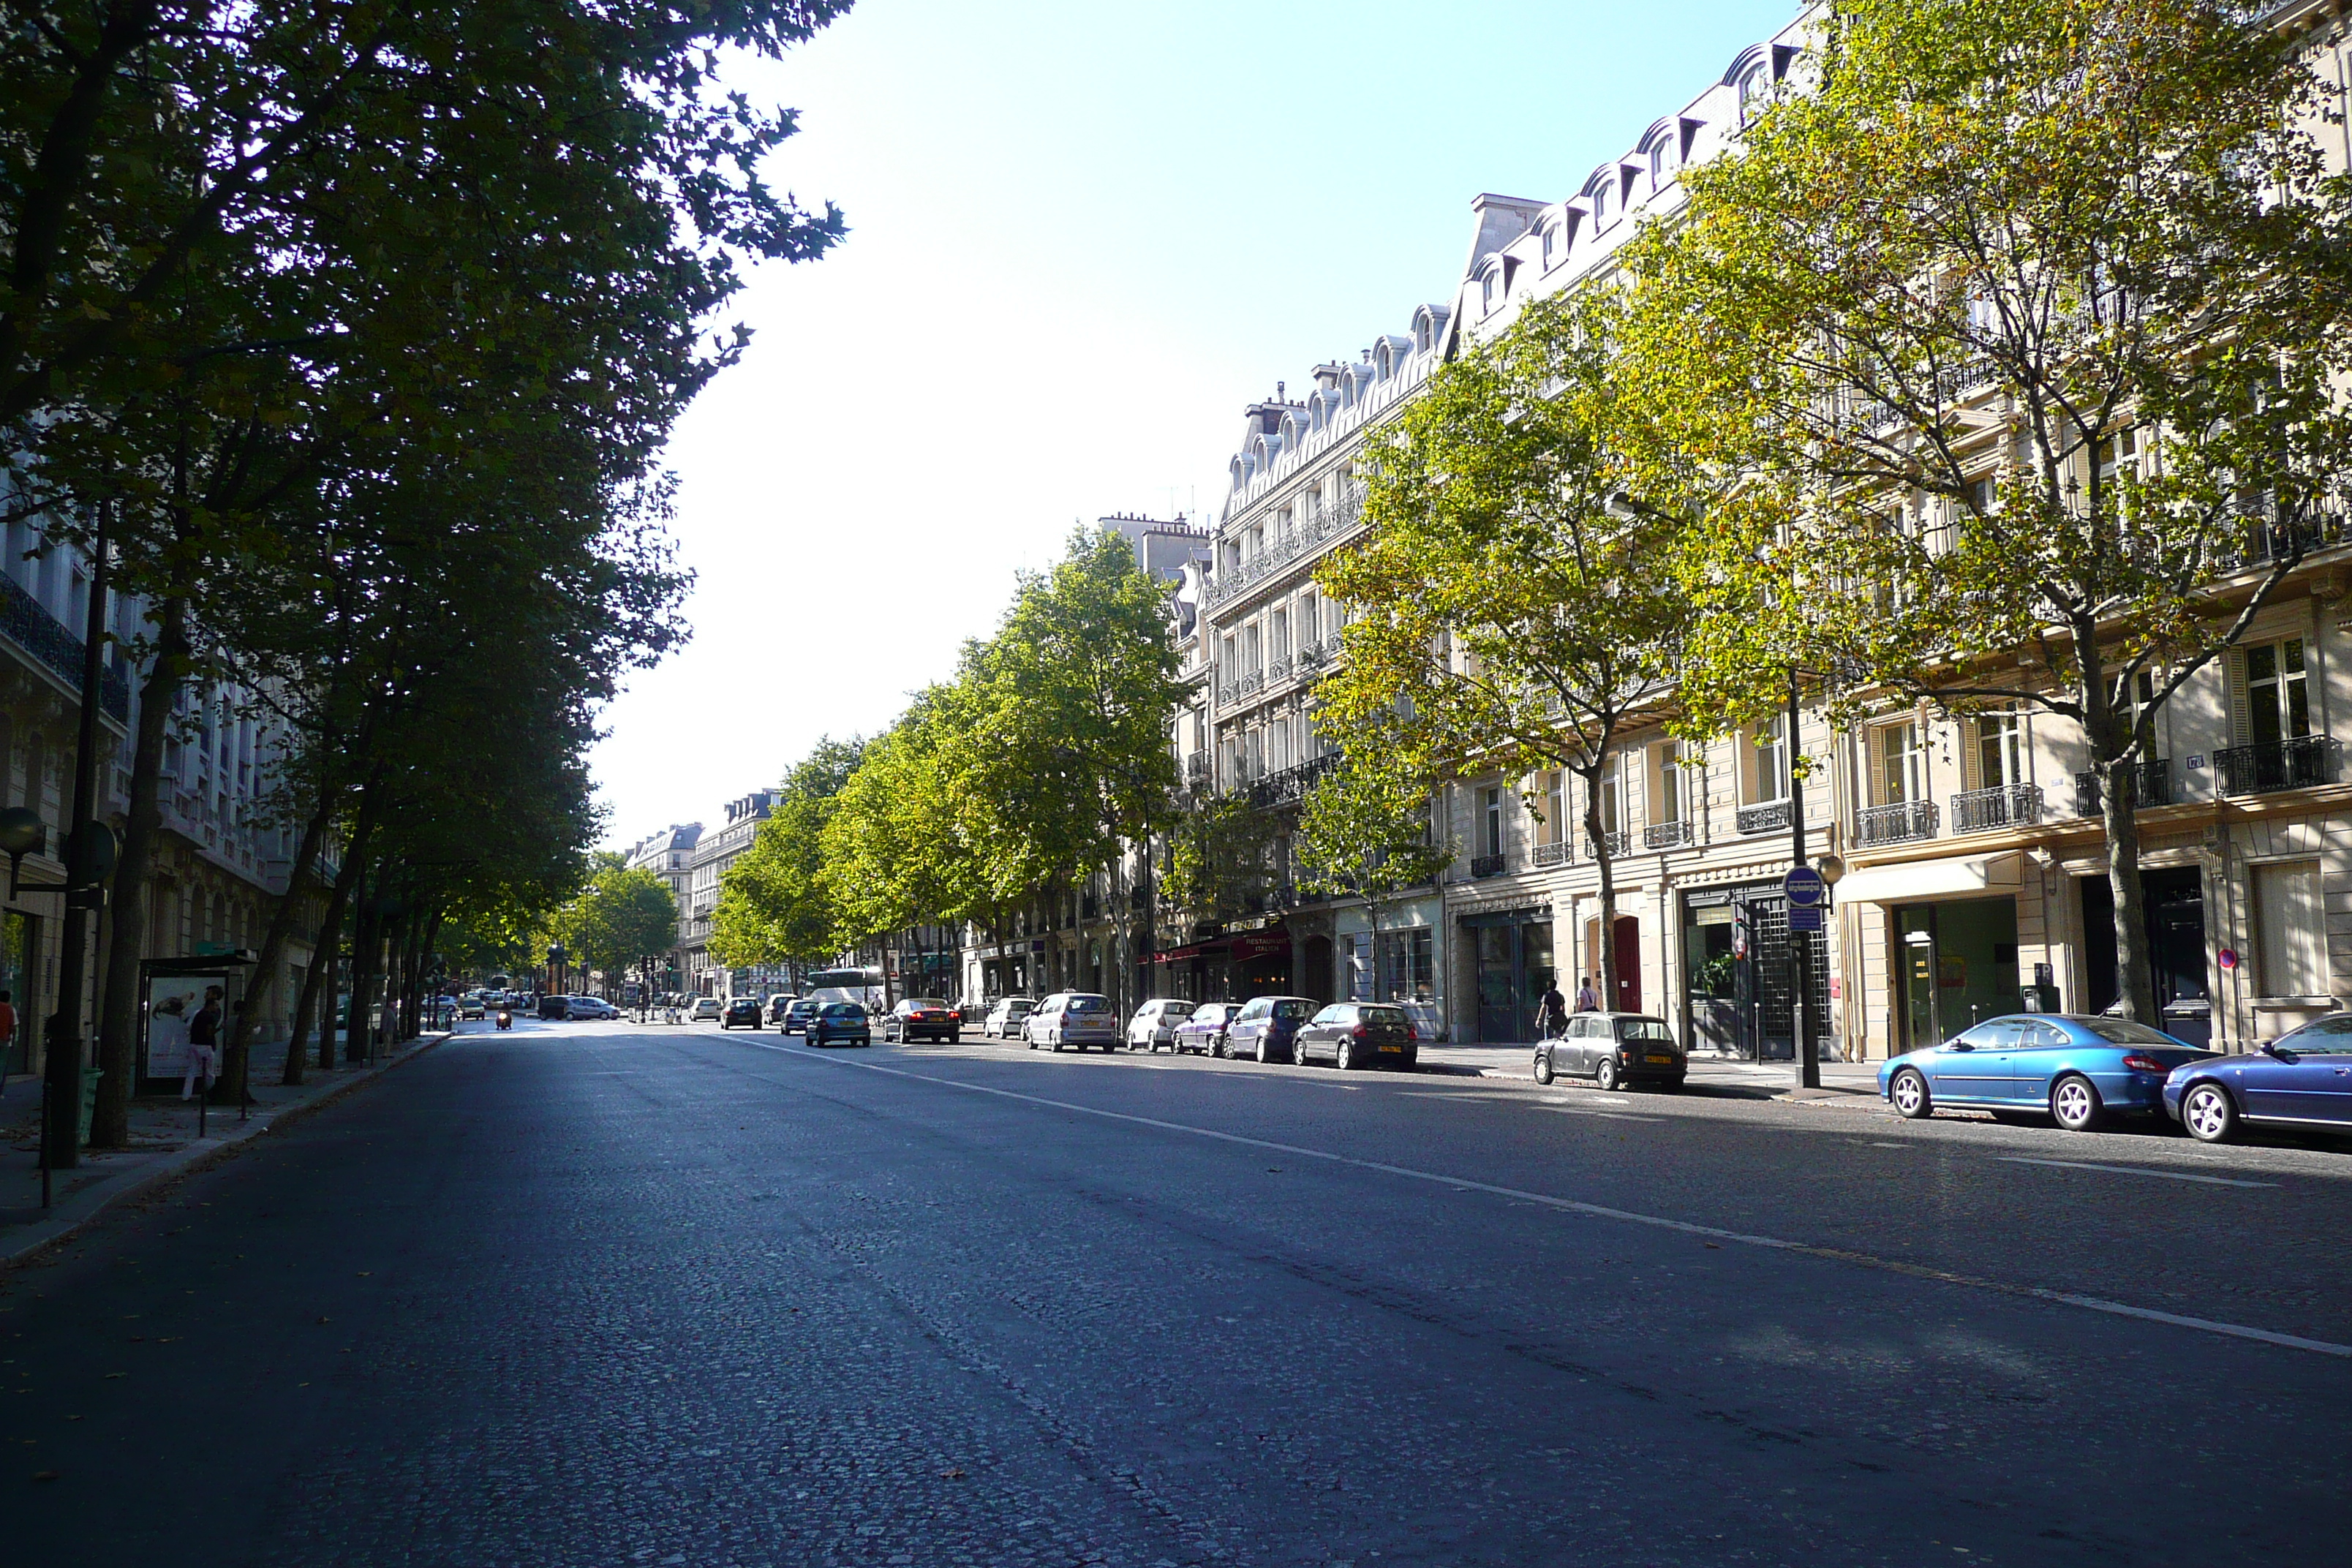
{"x": 1325, "y": 524}
{"x": 1897, "y": 823}
{"x": 1765, "y": 816}
{"x": 1668, "y": 835}
{"x": 1551, "y": 853}
{"x": 2004, "y": 805}
{"x": 2152, "y": 783}
{"x": 53, "y": 644}
{"x": 1620, "y": 845}
{"x": 1290, "y": 784}
{"x": 2301, "y": 763}
{"x": 1488, "y": 865}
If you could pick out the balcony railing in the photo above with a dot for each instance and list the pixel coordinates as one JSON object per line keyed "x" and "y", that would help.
{"x": 2301, "y": 763}
{"x": 2004, "y": 805}
{"x": 1621, "y": 844}
{"x": 2152, "y": 782}
{"x": 1668, "y": 835}
{"x": 1897, "y": 823}
{"x": 1290, "y": 784}
{"x": 53, "y": 644}
{"x": 1228, "y": 694}
{"x": 1488, "y": 865}
{"x": 1278, "y": 669}
{"x": 1251, "y": 684}
{"x": 1302, "y": 539}
{"x": 1196, "y": 768}
{"x": 1551, "y": 854}
{"x": 1766, "y": 817}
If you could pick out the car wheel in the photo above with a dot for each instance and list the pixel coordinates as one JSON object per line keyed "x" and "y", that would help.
{"x": 1543, "y": 1066}
{"x": 1604, "y": 1073}
{"x": 1057, "y": 1040}
{"x": 1265, "y": 1051}
{"x": 1217, "y": 1048}
{"x": 2209, "y": 1113}
{"x": 955, "y": 1036}
{"x": 1410, "y": 1060}
{"x": 1343, "y": 1055}
{"x": 1909, "y": 1091}
{"x": 2075, "y": 1103}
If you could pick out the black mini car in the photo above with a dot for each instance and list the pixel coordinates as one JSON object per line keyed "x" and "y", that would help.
{"x": 741, "y": 1010}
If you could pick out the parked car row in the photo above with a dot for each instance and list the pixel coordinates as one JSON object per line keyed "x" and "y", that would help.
{"x": 576, "y": 1009}
{"x": 2082, "y": 1070}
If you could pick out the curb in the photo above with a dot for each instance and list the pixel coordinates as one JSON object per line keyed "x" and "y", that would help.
{"x": 192, "y": 1157}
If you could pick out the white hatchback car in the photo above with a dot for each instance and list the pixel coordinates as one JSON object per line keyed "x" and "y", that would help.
{"x": 1154, "y": 1023}
{"x": 706, "y": 1010}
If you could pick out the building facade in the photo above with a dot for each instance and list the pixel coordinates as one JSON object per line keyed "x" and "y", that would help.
{"x": 669, "y": 855}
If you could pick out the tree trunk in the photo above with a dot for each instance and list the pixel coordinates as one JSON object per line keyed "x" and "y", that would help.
{"x": 1606, "y": 866}
{"x": 2115, "y": 759}
{"x": 272, "y": 957}
{"x": 118, "y": 1038}
{"x": 358, "y": 1025}
{"x": 318, "y": 985}
{"x": 298, "y": 1029}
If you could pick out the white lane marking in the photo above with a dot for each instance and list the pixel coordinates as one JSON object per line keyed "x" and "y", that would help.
{"x": 2134, "y": 1171}
{"x": 1601, "y": 1211}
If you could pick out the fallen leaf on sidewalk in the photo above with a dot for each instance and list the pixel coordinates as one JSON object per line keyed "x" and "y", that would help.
{"x": 955, "y": 1475}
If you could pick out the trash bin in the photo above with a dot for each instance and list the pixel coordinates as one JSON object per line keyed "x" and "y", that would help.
{"x": 90, "y": 1077}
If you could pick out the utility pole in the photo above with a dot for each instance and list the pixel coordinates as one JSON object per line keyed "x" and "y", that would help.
{"x": 88, "y": 864}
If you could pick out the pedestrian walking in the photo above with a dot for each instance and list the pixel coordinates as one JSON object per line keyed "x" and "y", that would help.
{"x": 1551, "y": 1013}
{"x": 1588, "y": 1000}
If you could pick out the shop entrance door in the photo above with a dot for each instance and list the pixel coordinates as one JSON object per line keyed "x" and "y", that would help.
{"x": 1515, "y": 969}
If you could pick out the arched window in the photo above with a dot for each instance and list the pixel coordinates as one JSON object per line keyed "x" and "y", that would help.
{"x": 1662, "y": 161}
{"x": 1601, "y": 204}
{"x": 1752, "y": 88}
{"x": 1550, "y": 245}
{"x": 1489, "y": 285}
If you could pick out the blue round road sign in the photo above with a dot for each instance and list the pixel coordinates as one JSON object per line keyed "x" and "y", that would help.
{"x": 1804, "y": 888}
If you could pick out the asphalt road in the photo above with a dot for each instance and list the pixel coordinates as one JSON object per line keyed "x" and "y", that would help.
{"x": 594, "y": 1294}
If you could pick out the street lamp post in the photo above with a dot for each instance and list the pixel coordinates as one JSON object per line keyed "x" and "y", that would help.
{"x": 1807, "y": 1051}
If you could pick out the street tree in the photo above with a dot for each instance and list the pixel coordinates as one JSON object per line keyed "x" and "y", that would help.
{"x": 2016, "y": 342}
{"x": 775, "y": 904}
{"x": 1510, "y": 613}
{"x": 1074, "y": 698}
{"x": 624, "y": 913}
{"x": 1366, "y": 832}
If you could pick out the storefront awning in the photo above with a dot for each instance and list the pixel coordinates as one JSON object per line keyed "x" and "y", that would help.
{"x": 1950, "y": 876}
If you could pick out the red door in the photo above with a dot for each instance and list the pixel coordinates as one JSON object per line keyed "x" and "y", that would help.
{"x": 1629, "y": 965}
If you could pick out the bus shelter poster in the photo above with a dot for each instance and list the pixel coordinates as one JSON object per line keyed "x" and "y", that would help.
{"x": 172, "y": 1000}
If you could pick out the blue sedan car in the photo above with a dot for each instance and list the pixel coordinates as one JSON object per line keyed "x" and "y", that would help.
{"x": 2073, "y": 1068}
{"x": 2300, "y": 1079}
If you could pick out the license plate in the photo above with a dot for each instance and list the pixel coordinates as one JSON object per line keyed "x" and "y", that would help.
{"x": 1662, "y": 1062}
{"x": 1399, "y": 1050}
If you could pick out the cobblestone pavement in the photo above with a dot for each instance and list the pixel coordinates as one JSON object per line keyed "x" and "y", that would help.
{"x": 590, "y": 1294}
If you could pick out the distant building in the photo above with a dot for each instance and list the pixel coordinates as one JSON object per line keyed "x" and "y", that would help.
{"x": 669, "y": 854}
{"x": 713, "y": 852}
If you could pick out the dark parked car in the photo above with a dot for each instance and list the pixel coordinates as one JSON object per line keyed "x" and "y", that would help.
{"x": 741, "y": 1010}
{"x": 2302, "y": 1079}
{"x": 926, "y": 1017}
{"x": 1358, "y": 1034}
{"x": 1266, "y": 1027}
{"x": 1611, "y": 1048}
{"x": 840, "y": 1023}
{"x": 779, "y": 1004}
{"x": 558, "y": 1008}
{"x": 1204, "y": 1029}
{"x": 797, "y": 1015}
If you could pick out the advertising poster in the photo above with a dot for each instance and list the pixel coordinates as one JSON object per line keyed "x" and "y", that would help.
{"x": 174, "y": 1004}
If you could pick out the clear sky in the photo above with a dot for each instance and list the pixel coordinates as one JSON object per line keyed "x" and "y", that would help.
{"x": 1082, "y": 236}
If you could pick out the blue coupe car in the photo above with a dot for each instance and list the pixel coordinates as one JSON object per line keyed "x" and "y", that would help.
{"x": 2302, "y": 1079}
{"x": 2073, "y": 1067}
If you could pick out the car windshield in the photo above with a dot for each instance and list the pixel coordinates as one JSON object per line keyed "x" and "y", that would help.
{"x": 1021, "y": 1006}
{"x": 1089, "y": 1004}
{"x": 1178, "y": 1009}
{"x": 844, "y": 1010}
{"x": 925, "y": 1005}
{"x": 1382, "y": 1015}
{"x": 1287, "y": 1008}
{"x": 1648, "y": 1030}
{"x": 2124, "y": 1032}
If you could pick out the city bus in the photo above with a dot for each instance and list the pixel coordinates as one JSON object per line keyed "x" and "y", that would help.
{"x": 863, "y": 986}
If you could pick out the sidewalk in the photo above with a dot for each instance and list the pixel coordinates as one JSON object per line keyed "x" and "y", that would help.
{"x": 163, "y": 1143}
{"x": 1769, "y": 1080}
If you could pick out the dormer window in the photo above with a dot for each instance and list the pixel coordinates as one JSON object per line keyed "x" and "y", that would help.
{"x": 1550, "y": 245}
{"x": 1752, "y": 88}
{"x": 1490, "y": 286}
{"x": 1661, "y": 162}
{"x": 1601, "y": 205}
